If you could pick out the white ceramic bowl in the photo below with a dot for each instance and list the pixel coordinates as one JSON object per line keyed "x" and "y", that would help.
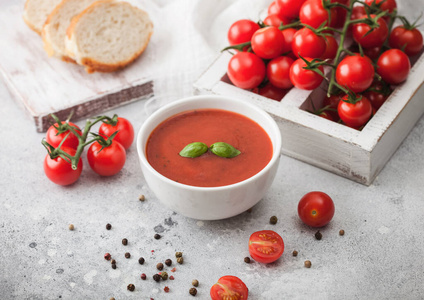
{"x": 210, "y": 203}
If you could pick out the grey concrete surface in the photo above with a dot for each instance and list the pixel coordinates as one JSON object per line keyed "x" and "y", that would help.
{"x": 381, "y": 256}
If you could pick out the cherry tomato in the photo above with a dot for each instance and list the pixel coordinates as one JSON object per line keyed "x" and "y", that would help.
{"x": 241, "y": 31}
{"x": 326, "y": 115}
{"x": 302, "y": 78}
{"x": 274, "y": 9}
{"x": 393, "y": 66}
{"x": 374, "y": 38}
{"x": 278, "y": 72}
{"x": 387, "y": 5}
{"x": 408, "y": 40}
{"x": 275, "y": 20}
{"x": 358, "y": 12}
{"x": 125, "y": 135}
{"x": 340, "y": 12}
{"x": 272, "y": 92}
{"x": 246, "y": 70}
{"x": 331, "y": 46}
{"x": 307, "y": 44}
{"x": 355, "y": 73}
{"x": 313, "y": 14}
{"x": 290, "y": 8}
{"x": 373, "y": 53}
{"x": 376, "y": 95}
{"x": 60, "y": 171}
{"x": 288, "y": 38}
{"x": 316, "y": 209}
{"x": 229, "y": 288}
{"x": 266, "y": 246}
{"x": 355, "y": 114}
{"x": 268, "y": 42}
{"x": 107, "y": 161}
{"x": 332, "y": 102}
{"x": 54, "y": 139}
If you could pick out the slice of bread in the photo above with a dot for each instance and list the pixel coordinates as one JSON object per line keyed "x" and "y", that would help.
{"x": 36, "y": 12}
{"x": 108, "y": 35}
{"x": 58, "y": 21}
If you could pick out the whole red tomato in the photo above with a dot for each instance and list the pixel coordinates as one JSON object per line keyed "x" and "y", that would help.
{"x": 229, "y": 287}
{"x": 393, "y": 66}
{"x": 316, "y": 209}
{"x": 268, "y": 42}
{"x": 288, "y": 38}
{"x": 54, "y": 137}
{"x": 266, "y": 246}
{"x": 373, "y": 53}
{"x": 331, "y": 47}
{"x": 313, "y": 14}
{"x": 275, "y": 20}
{"x": 274, "y": 9}
{"x": 387, "y": 5}
{"x": 302, "y": 78}
{"x": 125, "y": 135}
{"x": 355, "y": 114}
{"x": 241, "y": 31}
{"x": 332, "y": 102}
{"x": 340, "y": 12}
{"x": 60, "y": 171}
{"x": 358, "y": 12}
{"x": 272, "y": 92}
{"x": 246, "y": 70}
{"x": 377, "y": 94}
{"x": 290, "y": 8}
{"x": 278, "y": 72}
{"x": 368, "y": 38}
{"x": 355, "y": 73}
{"x": 107, "y": 161}
{"x": 408, "y": 40}
{"x": 307, "y": 44}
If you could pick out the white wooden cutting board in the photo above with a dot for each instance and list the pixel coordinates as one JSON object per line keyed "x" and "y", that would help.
{"x": 45, "y": 85}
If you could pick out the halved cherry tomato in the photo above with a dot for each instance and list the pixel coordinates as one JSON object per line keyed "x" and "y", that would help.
{"x": 408, "y": 40}
{"x": 278, "y": 72}
{"x": 313, "y": 14}
{"x": 125, "y": 135}
{"x": 107, "y": 161}
{"x": 316, "y": 209}
{"x": 60, "y": 171}
{"x": 369, "y": 38}
{"x": 302, "y": 78}
{"x": 266, "y": 246}
{"x": 393, "y": 66}
{"x": 307, "y": 44}
{"x": 246, "y": 70}
{"x": 268, "y": 42}
{"x": 229, "y": 288}
{"x": 54, "y": 138}
{"x": 355, "y": 73}
{"x": 356, "y": 114}
{"x": 241, "y": 31}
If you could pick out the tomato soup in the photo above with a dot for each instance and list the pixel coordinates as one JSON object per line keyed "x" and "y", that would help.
{"x": 208, "y": 126}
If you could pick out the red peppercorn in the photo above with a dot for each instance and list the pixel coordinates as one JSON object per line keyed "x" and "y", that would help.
{"x": 108, "y": 256}
{"x": 143, "y": 276}
{"x": 171, "y": 277}
{"x": 166, "y": 289}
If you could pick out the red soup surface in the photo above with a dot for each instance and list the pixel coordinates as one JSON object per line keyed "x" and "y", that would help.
{"x": 208, "y": 126}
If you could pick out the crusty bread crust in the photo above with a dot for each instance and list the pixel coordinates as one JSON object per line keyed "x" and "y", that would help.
{"x": 30, "y": 25}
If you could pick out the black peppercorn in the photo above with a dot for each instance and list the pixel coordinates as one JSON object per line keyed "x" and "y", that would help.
{"x": 108, "y": 226}
{"x": 159, "y": 266}
{"x": 127, "y": 255}
{"x": 295, "y": 253}
{"x": 131, "y": 287}
{"x": 193, "y": 291}
{"x": 156, "y": 277}
{"x": 318, "y": 235}
{"x": 168, "y": 262}
{"x": 114, "y": 266}
{"x": 141, "y": 260}
{"x": 273, "y": 220}
{"x": 124, "y": 242}
{"x": 247, "y": 260}
{"x": 157, "y": 236}
{"x": 143, "y": 276}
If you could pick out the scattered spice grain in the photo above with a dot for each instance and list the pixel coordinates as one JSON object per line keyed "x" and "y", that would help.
{"x": 157, "y": 236}
{"x": 164, "y": 275}
{"x": 247, "y": 260}
{"x": 180, "y": 260}
{"x": 308, "y": 263}
{"x": 178, "y": 254}
{"x": 127, "y": 255}
{"x": 113, "y": 262}
{"x": 273, "y": 220}
{"x": 168, "y": 262}
{"x": 159, "y": 266}
{"x": 193, "y": 291}
{"x": 318, "y": 235}
{"x": 141, "y": 260}
{"x": 295, "y": 253}
{"x": 141, "y": 198}
{"x": 156, "y": 277}
{"x": 71, "y": 227}
{"x": 124, "y": 242}
{"x": 166, "y": 289}
{"x": 131, "y": 287}
{"x": 108, "y": 226}
{"x": 171, "y": 277}
{"x": 195, "y": 282}
{"x": 114, "y": 266}
{"x": 341, "y": 232}
{"x": 174, "y": 269}
{"x": 143, "y": 276}
{"x": 107, "y": 256}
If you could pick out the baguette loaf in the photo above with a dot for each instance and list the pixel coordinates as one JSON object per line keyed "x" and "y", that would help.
{"x": 108, "y": 35}
{"x": 36, "y": 12}
{"x": 58, "y": 21}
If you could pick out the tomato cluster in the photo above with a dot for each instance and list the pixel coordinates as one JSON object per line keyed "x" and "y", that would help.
{"x": 300, "y": 41}
{"x": 106, "y": 155}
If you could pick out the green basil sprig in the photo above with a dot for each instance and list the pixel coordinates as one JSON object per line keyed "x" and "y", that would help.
{"x": 194, "y": 150}
{"x": 221, "y": 149}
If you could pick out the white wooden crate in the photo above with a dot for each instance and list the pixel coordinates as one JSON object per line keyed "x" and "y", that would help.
{"x": 357, "y": 155}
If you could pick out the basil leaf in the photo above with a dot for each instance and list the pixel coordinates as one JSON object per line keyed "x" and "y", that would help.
{"x": 194, "y": 150}
{"x": 224, "y": 150}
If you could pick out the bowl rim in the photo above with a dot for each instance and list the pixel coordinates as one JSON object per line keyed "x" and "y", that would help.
{"x": 275, "y": 155}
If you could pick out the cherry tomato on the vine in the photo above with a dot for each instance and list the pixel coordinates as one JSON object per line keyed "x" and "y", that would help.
{"x": 341, "y": 12}
{"x": 272, "y": 92}
{"x": 355, "y": 73}
{"x": 278, "y": 72}
{"x": 368, "y": 38}
{"x": 60, "y": 171}
{"x": 125, "y": 135}
{"x": 229, "y": 287}
{"x": 275, "y": 20}
{"x": 308, "y": 44}
{"x": 313, "y": 14}
{"x": 316, "y": 209}
{"x": 241, "y": 31}
{"x": 268, "y": 42}
{"x": 408, "y": 40}
{"x": 393, "y": 66}
{"x": 376, "y": 95}
{"x": 288, "y": 38}
{"x": 387, "y": 5}
{"x": 358, "y": 12}
{"x": 332, "y": 102}
{"x": 302, "y": 78}
{"x": 331, "y": 46}
{"x": 266, "y": 246}
{"x": 107, "y": 161}
{"x": 54, "y": 139}
{"x": 246, "y": 70}
{"x": 326, "y": 115}
{"x": 290, "y": 8}
{"x": 355, "y": 114}
{"x": 274, "y": 9}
